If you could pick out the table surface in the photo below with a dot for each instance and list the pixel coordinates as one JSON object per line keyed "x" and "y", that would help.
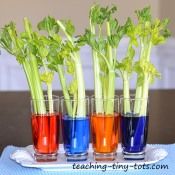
{"x": 10, "y": 167}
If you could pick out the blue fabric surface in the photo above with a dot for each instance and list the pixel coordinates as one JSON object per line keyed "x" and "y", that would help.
{"x": 10, "y": 167}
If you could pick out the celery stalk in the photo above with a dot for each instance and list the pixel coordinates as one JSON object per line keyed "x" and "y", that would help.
{"x": 81, "y": 106}
{"x": 111, "y": 76}
{"x": 138, "y": 96}
{"x": 41, "y": 109}
{"x": 97, "y": 85}
{"x": 27, "y": 71}
{"x": 111, "y": 92}
{"x": 64, "y": 89}
{"x": 139, "y": 88}
{"x": 104, "y": 54}
{"x": 126, "y": 95}
{"x": 97, "y": 81}
{"x": 144, "y": 101}
{"x": 150, "y": 32}
{"x": 50, "y": 99}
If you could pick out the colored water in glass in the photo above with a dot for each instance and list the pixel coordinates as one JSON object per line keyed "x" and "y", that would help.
{"x": 105, "y": 132}
{"x": 76, "y": 132}
{"x": 134, "y": 133}
{"x": 45, "y": 133}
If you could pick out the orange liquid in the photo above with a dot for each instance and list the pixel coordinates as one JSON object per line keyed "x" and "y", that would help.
{"x": 45, "y": 133}
{"x": 105, "y": 132}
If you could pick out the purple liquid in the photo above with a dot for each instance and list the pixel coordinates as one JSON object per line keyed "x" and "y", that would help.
{"x": 134, "y": 133}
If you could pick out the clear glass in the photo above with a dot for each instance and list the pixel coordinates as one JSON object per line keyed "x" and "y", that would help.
{"x": 134, "y": 127}
{"x": 105, "y": 119}
{"x": 75, "y": 129}
{"x": 45, "y": 129}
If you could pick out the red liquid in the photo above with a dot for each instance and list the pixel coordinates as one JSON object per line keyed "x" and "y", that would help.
{"x": 45, "y": 133}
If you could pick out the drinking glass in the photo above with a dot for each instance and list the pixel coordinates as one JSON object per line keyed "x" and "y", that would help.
{"x": 134, "y": 127}
{"x": 45, "y": 128}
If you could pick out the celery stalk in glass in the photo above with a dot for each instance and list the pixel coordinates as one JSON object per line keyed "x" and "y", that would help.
{"x": 64, "y": 53}
{"x": 104, "y": 53}
{"x": 23, "y": 48}
{"x": 55, "y": 55}
{"x": 150, "y": 33}
{"x": 81, "y": 111}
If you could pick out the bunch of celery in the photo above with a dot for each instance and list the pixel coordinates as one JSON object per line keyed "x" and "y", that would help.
{"x": 126, "y": 66}
{"x": 30, "y": 51}
{"x": 146, "y": 34}
{"x": 104, "y": 52}
{"x": 65, "y": 53}
{"x": 150, "y": 33}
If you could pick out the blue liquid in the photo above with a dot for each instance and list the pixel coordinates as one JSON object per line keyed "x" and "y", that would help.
{"x": 134, "y": 133}
{"x": 76, "y": 134}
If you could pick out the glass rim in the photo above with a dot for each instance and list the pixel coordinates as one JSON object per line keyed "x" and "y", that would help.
{"x": 84, "y": 101}
{"x": 105, "y": 114}
{"x": 76, "y": 117}
{"x": 76, "y": 99}
{"x": 115, "y": 97}
{"x": 132, "y": 97}
{"x": 54, "y": 98}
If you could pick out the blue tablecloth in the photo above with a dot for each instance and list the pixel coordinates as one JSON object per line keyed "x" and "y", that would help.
{"x": 10, "y": 167}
